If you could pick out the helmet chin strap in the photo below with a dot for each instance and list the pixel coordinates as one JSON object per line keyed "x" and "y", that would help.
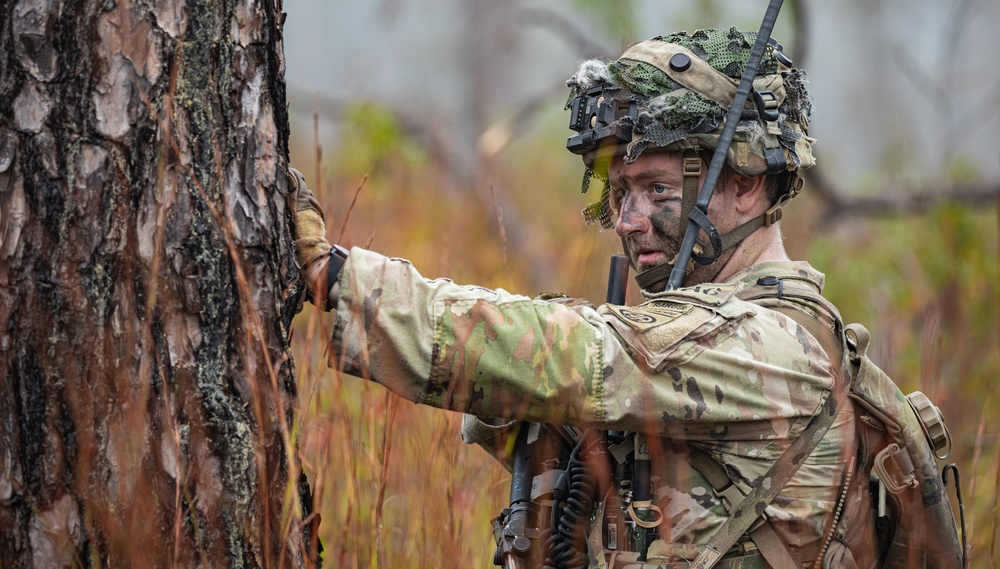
{"x": 691, "y": 163}
{"x": 717, "y": 243}
{"x": 650, "y": 277}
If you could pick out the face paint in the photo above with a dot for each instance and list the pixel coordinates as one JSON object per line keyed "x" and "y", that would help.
{"x": 648, "y": 227}
{"x": 647, "y": 195}
{"x": 665, "y": 224}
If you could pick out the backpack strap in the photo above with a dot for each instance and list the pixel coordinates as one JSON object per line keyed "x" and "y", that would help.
{"x": 763, "y": 535}
{"x": 787, "y": 295}
{"x": 776, "y": 478}
{"x": 743, "y": 516}
{"x": 831, "y": 340}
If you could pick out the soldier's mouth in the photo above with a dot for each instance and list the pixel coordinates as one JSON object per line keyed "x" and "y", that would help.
{"x": 650, "y": 257}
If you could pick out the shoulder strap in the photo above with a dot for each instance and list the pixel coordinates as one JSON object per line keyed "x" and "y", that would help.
{"x": 743, "y": 516}
{"x": 831, "y": 340}
{"x": 763, "y": 536}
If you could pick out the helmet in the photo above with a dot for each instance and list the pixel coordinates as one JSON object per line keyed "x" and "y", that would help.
{"x": 673, "y": 93}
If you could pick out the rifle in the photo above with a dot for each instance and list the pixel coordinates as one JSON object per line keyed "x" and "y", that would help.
{"x": 539, "y": 451}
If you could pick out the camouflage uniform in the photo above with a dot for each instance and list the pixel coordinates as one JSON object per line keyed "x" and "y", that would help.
{"x": 696, "y": 366}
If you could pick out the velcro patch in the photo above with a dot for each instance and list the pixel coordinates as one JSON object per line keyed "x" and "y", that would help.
{"x": 706, "y": 294}
{"x": 650, "y": 314}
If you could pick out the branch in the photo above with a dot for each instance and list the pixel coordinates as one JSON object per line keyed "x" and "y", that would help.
{"x": 895, "y": 201}
{"x": 801, "y": 31}
{"x": 424, "y": 128}
{"x": 501, "y": 132}
{"x": 433, "y": 136}
{"x": 578, "y": 40}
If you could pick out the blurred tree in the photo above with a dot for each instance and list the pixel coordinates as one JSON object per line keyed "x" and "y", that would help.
{"x": 146, "y": 279}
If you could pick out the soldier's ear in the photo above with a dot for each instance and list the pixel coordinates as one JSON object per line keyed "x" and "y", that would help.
{"x": 750, "y": 193}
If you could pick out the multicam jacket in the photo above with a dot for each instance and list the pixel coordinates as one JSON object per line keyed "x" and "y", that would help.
{"x": 694, "y": 367}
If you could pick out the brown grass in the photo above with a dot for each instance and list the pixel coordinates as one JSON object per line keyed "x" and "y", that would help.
{"x": 395, "y": 485}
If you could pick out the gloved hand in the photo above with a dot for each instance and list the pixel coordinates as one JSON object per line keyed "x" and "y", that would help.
{"x": 312, "y": 250}
{"x": 310, "y": 242}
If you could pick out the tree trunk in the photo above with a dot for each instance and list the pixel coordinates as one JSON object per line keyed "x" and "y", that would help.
{"x": 147, "y": 283}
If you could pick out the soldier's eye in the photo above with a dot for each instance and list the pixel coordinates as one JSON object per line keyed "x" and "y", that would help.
{"x": 660, "y": 188}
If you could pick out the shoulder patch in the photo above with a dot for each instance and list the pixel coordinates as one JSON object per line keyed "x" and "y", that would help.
{"x": 650, "y": 314}
{"x": 653, "y": 328}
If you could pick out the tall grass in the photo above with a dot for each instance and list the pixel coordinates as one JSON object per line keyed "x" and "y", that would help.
{"x": 393, "y": 482}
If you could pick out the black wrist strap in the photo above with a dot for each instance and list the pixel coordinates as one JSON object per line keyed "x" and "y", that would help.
{"x": 338, "y": 256}
{"x": 335, "y": 264}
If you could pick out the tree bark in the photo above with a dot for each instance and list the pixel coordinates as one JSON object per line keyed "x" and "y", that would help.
{"x": 147, "y": 283}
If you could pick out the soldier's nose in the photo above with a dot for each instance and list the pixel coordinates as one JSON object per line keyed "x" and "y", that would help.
{"x": 630, "y": 222}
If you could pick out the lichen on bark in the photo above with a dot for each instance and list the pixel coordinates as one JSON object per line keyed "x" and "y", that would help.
{"x": 147, "y": 266}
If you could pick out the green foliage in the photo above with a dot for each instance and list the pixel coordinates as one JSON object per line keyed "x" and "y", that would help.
{"x": 376, "y": 140}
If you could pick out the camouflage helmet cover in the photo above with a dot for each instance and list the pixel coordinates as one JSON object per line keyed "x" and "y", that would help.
{"x": 682, "y": 85}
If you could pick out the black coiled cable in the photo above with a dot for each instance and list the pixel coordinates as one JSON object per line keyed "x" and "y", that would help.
{"x": 572, "y": 500}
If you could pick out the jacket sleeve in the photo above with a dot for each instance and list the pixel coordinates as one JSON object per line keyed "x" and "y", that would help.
{"x": 498, "y": 355}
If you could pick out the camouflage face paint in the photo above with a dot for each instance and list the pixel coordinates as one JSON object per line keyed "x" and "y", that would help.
{"x": 665, "y": 227}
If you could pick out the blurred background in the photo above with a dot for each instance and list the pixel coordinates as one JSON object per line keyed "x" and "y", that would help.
{"x": 434, "y": 130}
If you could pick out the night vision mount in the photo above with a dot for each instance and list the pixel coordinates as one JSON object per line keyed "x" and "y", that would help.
{"x": 596, "y": 118}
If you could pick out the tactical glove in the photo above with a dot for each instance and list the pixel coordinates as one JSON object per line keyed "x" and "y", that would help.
{"x": 312, "y": 250}
{"x": 310, "y": 242}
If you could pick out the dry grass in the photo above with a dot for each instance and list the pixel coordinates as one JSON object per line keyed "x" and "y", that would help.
{"x": 395, "y": 485}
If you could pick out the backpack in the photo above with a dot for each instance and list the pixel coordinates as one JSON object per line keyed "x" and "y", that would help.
{"x": 898, "y": 439}
{"x": 893, "y": 510}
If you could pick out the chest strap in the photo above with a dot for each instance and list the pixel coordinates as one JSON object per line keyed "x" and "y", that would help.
{"x": 628, "y": 560}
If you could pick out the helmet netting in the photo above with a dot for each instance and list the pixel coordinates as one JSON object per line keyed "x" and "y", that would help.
{"x": 670, "y": 113}
{"x": 725, "y": 50}
{"x": 641, "y": 78}
{"x": 797, "y": 105}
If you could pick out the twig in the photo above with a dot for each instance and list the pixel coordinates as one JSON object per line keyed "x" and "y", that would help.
{"x": 976, "y": 455}
{"x": 996, "y": 514}
{"x": 799, "y": 44}
{"x": 424, "y": 127}
{"x": 503, "y": 237}
{"x": 893, "y": 201}
{"x": 354, "y": 200}
{"x": 319, "y": 153}
{"x": 565, "y": 30}
{"x": 391, "y": 404}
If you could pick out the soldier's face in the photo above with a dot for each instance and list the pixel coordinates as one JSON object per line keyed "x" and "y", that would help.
{"x": 647, "y": 197}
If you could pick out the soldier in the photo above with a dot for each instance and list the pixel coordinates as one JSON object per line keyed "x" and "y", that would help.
{"x": 731, "y": 368}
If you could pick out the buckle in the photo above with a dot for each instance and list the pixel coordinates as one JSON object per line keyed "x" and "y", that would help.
{"x": 731, "y": 498}
{"x": 772, "y": 215}
{"x": 692, "y": 166}
{"x": 898, "y": 478}
{"x": 767, "y": 104}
